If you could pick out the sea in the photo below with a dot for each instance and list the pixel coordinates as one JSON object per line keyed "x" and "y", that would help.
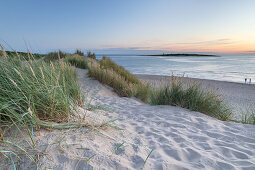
{"x": 231, "y": 68}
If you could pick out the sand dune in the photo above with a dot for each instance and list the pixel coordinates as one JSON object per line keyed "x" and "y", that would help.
{"x": 177, "y": 138}
{"x": 180, "y": 138}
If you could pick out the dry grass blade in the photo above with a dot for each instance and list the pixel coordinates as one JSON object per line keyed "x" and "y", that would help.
{"x": 3, "y": 53}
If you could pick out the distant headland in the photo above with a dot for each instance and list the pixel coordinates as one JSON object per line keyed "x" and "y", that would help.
{"x": 183, "y": 54}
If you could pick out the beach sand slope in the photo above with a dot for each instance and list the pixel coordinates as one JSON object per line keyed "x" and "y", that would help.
{"x": 138, "y": 135}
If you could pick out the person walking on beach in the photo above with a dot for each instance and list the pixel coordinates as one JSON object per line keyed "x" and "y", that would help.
{"x": 245, "y": 80}
{"x": 250, "y": 81}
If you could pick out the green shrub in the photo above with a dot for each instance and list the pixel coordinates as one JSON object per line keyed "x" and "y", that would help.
{"x": 77, "y": 61}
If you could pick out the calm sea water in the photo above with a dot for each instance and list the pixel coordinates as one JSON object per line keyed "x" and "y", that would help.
{"x": 225, "y": 68}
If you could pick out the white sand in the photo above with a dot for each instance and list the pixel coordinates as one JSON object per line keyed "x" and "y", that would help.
{"x": 181, "y": 139}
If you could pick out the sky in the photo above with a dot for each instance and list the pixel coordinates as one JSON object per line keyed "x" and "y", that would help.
{"x": 130, "y": 26}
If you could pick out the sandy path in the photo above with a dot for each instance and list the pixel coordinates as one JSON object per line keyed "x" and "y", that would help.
{"x": 240, "y": 97}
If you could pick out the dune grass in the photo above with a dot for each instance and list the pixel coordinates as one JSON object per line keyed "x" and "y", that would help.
{"x": 19, "y": 55}
{"x": 34, "y": 93}
{"x": 192, "y": 97}
{"x": 37, "y": 90}
{"x": 23, "y": 55}
{"x": 107, "y": 63}
{"x": 52, "y": 56}
{"x": 124, "y": 83}
{"x": 111, "y": 78}
{"x": 77, "y": 61}
{"x": 175, "y": 93}
{"x": 248, "y": 119}
{"x": 248, "y": 115}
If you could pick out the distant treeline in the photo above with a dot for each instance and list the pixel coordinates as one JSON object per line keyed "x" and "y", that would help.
{"x": 193, "y": 55}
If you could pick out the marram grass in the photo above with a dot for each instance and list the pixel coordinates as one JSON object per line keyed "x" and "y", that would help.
{"x": 77, "y": 61}
{"x": 47, "y": 91}
{"x": 192, "y": 97}
{"x": 107, "y": 63}
{"x": 112, "y": 79}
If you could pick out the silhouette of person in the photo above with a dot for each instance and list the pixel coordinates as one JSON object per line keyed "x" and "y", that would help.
{"x": 245, "y": 80}
{"x": 250, "y": 81}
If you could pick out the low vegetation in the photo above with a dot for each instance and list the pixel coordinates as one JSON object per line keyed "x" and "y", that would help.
{"x": 107, "y": 63}
{"x": 112, "y": 79}
{"x": 124, "y": 83}
{"x": 248, "y": 115}
{"x": 192, "y": 97}
{"x": 127, "y": 85}
{"x": 52, "y": 56}
{"x": 35, "y": 93}
{"x": 37, "y": 90}
{"x": 174, "y": 93}
{"x": 19, "y": 55}
{"x": 77, "y": 61}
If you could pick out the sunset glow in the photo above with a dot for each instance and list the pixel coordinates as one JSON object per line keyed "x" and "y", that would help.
{"x": 219, "y": 26}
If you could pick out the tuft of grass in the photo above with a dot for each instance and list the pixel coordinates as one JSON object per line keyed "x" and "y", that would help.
{"x": 107, "y": 63}
{"x": 77, "y": 61}
{"x": 52, "y": 56}
{"x": 192, "y": 97}
{"x": 248, "y": 116}
{"x": 111, "y": 78}
{"x": 142, "y": 91}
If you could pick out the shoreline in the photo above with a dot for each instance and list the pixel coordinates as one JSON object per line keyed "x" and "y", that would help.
{"x": 156, "y": 77}
{"x": 239, "y": 97}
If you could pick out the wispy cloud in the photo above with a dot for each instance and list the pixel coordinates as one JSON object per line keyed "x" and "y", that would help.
{"x": 221, "y": 45}
{"x": 224, "y": 41}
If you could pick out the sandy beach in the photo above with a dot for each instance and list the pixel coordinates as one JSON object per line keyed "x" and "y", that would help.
{"x": 150, "y": 137}
{"x": 239, "y": 96}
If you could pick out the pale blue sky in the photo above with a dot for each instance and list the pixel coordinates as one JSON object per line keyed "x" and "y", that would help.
{"x": 223, "y": 26}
